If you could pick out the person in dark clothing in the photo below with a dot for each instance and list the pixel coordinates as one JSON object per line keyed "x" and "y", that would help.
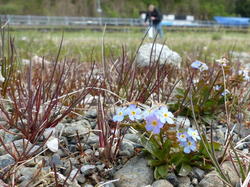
{"x": 154, "y": 17}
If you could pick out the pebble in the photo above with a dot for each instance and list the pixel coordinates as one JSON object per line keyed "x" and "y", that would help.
{"x": 161, "y": 183}
{"x": 210, "y": 180}
{"x": 87, "y": 169}
{"x": 93, "y": 139}
{"x": 48, "y": 131}
{"x": 11, "y": 137}
{"x": 195, "y": 181}
{"x": 172, "y": 178}
{"x": 184, "y": 181}
{"x": 27, "y": 172}
{"x": 133, "y": 138}
{"x": 81, "y": 126}
{"x": 134, "y": 173}
{"x": 197, "y": 173}
{"x": 228, "y": 168}
{"x": 55, "y": 159}
{"x": 19, "y": 147}
{"x": 5, "y": 161}
{"x": 81, "y": 178}
{"x": 73, "y": 173}
{"x": 126, "y": 148}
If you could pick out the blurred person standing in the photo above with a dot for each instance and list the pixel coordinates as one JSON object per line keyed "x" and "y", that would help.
{"x": 154, "y": 17}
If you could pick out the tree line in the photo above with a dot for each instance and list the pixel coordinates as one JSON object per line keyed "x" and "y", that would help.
{"x": 201, "y": 9}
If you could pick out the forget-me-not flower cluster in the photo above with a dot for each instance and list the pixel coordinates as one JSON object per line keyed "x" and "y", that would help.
{"x": 155, "y": 116}
{"x": 188, "y": 140}
{"x": 199, "y": 65}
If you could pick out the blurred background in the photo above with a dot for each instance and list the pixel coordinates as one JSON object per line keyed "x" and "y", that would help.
{"x": 200, "y": 9}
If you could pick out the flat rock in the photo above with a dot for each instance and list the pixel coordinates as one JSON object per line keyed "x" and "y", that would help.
{"x": 172, "y": 178}
{"x": 19, "y": 146}
{"x": 184, "y": 181}
{"x": 161, "y": 183}
{"x": 135, "y": 173}
{"x": 87, "y": 169}
{"x": 5, "y": 161}
{"x": 161, "y": 52}
{"x": 228, "y": 168}
{"x": 80, "y": 126}
{"x": 197, "y": 173}
{"x": 126, "y": 148}
{"x": 211, "y": 180}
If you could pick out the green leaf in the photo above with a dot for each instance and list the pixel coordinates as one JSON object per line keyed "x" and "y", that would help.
{"x": 151, "y": 147}
{"x": 207, "y": 119}
{"x": 185, "y": 169}
{"x": 180, "y": 92}
{"x": 210, "y": 103}
{"x": 176, "y": 158}
{"x": 153, "y": 162}
{"x": 203, "y": 151}
{"x": 161, "y": 171}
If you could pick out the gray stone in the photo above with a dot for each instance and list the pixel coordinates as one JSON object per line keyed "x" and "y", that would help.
{"x": 33, "y": 162}
{"x": 80, "y": 178}
{"x": 48, "y": 131}
{"x": 220, "y": 134}
{"x": 109, "y": 185}
{"x": 100, "y": 167}
{"x": 19, "y": 146}
{"x": 5, "y": 161}
{"x": 25, "y": 183}
{"x": 161, "y": 183}
{"x": 133, "y": 138}
{"x": 60, "y": 126}
{"x": 61, "y": 153}
{"x": 91, "y": 113}
{"x": 11, "y": 137}
{"x": 73, "y": 173}
{"x": 172, "y": 178}
{"x": 27, "y": 172}
{"x": 2, "y": 133}
{"x": 195, "y": 181}
{"x": 23, "y": 178}
{"x": 126, "y": 148}
{"x": 68, "y": 170}
{"x": 135, "y": 173}
{"x": 93, "y": 124}
{"x": 93, "y": 139}
{"x": 55, "y": 159}
{"x": 228, "y": 168}
{"x": 183, "y": 122}
{"x": 82, "y": 127}
{"x": 197, "y": 173}
{"x": 161, "y": 52}
{"x": 184, "y": 181}
{"x": 87, "y": 169}
{"x": 211, "y": 180}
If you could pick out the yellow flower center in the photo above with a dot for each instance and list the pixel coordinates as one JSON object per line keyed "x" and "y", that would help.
{"x": 189, "y": 143}
{"x": 183, "y": 136}
{"x": 133, "y": 113}
{"x": 120, "y": 113}
{"x": 154, "y": 123}
{"x": 165, "y": 115}
{"x": 194, "y": 134}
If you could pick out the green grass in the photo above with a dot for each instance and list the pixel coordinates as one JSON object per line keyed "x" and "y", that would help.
{"x": 79, "y": 45}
